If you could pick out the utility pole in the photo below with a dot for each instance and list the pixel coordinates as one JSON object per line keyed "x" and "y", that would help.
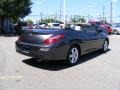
{"x": 56, "y": 16}
{"x": 74, "y": 18}
{"x": 111, "y": 12}
{"x": 64, "y": 11}
{"x": 103, "y": 12}
{"x": 119, "y": 18}
{"x": 60, "y": 11}
{"x": 41, "y": 14}
{"x": 100, "y": 17}
{"x": 39, "y": 11}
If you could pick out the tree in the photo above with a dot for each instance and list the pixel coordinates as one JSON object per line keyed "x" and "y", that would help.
{"x": 78, "y": 20}
{"x": 29, "y": 21}
{"x": 49, "y": 20}
{"x": 13, "y": 10}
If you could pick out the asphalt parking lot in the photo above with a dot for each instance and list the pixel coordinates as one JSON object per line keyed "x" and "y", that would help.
{"x": 96, "y": 71}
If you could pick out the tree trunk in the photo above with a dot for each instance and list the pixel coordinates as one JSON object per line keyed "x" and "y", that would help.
{"x": 1, "y": 24}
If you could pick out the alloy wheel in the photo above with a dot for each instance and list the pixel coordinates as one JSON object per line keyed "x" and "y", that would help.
{"x": 115, "y": 32}
{"x": 73, "y": 55}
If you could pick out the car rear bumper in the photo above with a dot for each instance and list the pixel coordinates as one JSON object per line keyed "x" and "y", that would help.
{"x": 44, "y": 53}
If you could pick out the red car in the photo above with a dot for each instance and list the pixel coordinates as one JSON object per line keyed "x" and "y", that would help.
{"x": 109, "y": 29}
{"x": 106, "y": 26}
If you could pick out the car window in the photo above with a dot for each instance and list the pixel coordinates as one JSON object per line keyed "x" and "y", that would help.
{"x": 84, "y": 28}
{"x": 91, "y": 29}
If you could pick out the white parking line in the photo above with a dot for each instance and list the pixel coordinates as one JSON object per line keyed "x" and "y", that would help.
{"x": 10, "y": 77}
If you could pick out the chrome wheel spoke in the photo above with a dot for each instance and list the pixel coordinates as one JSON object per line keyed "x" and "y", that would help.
{"x": 73, "y": 55}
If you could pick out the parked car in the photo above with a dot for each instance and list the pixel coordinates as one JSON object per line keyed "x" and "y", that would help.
{"x": 55, "y": 25}
{"x": 99, "y": 27}
{"x": 62, "y": 44}
{"x": 40, "y": 25}
{"x": 116, "y": 28}
{"x": 25, "y": 27}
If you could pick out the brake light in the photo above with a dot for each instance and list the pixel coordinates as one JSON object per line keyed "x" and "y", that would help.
{"x": 53, "y": 39}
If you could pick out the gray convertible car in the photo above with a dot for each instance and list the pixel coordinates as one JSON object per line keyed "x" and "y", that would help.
{"x": 62, "y": 44}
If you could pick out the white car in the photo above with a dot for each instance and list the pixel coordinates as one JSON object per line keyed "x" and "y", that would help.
{"x": 56, "y": 25}
{"x": 116, "y": 28}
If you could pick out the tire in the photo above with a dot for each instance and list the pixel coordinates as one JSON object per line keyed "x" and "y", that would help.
{"x": 115, "y": 32}
{"x": 105, "y": 46}
{"x": 73, "y": 56}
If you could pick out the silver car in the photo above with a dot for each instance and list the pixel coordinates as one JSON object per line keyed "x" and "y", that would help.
{"x": 116, "y": 28}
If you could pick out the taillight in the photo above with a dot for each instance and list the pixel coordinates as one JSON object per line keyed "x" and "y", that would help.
{"x": 53, "y": 39}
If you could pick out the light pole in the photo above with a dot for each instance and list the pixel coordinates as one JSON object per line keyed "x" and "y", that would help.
{"x": 100, "y": 17}
{"x": 90, "y": 12}
{"x": 39, "y": 14}
{"x": 64, "y": 7}
{"x": 103, "y": 13}
{"x": 113, "y": 9}
{"x": 111, "y": 12}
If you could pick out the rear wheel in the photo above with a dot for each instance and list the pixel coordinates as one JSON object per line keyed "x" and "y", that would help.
{"x": 73, "y": 56}
{"x": 115, "y": 32}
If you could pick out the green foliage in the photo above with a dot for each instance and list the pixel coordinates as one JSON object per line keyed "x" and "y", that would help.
{"x": 49, "y": 20}
{"x": 15, "y": 8}
{"x": 29, "y": 21}
{"x": 77, "y": 20}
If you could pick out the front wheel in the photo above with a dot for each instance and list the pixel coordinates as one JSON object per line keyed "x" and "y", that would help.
{"x": 105, "y": 46}
{"x": 73, "y": 56}
{"x": 115, "y": 32}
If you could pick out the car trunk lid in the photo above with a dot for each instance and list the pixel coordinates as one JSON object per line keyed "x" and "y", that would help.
{"x": 38, "y": 36}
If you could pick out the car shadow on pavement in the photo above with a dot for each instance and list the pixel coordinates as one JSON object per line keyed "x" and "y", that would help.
{"x": 60, "y": 64}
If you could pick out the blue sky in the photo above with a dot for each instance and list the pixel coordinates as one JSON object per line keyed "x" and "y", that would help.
{"x": 81, "y": 7}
